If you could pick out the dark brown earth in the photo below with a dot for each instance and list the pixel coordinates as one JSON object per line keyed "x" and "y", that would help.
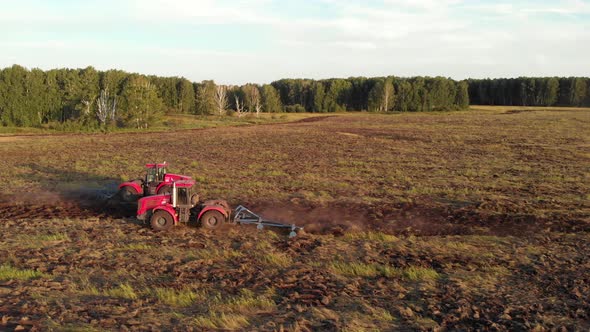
{"x": 467, "y": 221}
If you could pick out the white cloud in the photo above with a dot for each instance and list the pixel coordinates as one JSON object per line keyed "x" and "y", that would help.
{"x": 456, "y": 38}
{"x": 202, "y": 11}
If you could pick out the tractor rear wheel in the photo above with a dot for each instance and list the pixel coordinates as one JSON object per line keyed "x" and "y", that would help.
{"x": 212, "y": 219}
{"x": 128, "y": 194}
{"x": 161, "y": 221}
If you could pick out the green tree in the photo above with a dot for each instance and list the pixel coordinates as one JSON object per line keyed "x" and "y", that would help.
{"x": 462, "y": 97}
{"x": 52, "y": 97}
{"x": 551, "y": 92}
{"x": 271, "y": 102}
{"x": 142, "y": 107}
{"x": 359, "y": 92}
{"x": 87, "y": 92}
{"x": 168, "y": 91}
{"x": 205, "y": 98}
{"x": 13, "y": 108}
{"x": 69, "y": 81}
{"x": 186, "y": 96}
{"x": 113, "y": 81}
{"x": 252, "y": 99}
{"x": 337, "y": 96}
{"x": 441, "y": 92}
{"x": 35, "y": 97}
{"x": 319, "y": 94}
{"x": 382, "y": 96}
{"x": 578, "y": 91}
{"x": 420, "y": 97}
{"x": 404, "y": 94}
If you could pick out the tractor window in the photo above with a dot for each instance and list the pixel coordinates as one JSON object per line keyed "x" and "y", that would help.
{"x": 182, "y": 196}
{"x": 150, "y": 175}
{"x": 161, "y": 172}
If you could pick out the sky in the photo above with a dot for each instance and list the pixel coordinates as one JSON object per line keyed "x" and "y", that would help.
{"x": 259, "y": 41}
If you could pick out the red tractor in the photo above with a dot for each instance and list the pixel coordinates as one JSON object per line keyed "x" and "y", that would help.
{"x": 182, "y": 204}
{"x": 156, "y": 181}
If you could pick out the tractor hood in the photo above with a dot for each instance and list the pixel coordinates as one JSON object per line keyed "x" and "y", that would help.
{"x": 169, "y": 177}
{"x": 148, "y": 203}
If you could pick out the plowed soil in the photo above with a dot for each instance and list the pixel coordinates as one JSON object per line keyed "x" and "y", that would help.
{"x": 455, "y": 221}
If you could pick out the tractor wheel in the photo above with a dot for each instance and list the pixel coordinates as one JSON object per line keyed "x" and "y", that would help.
{"x": 128, "y": 194}
{"x": 212, "y": 219}
{"x": 161, "y": 221}
{"x": 165, "y": 190}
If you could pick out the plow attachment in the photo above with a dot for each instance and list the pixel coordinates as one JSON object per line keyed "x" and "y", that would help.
{"x": 244, "y": 216}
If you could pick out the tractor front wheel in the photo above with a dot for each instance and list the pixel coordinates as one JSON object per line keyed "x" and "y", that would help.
{"x": 128, "y": 194}
{"x": 161, "y": 221}
{"x": 212, "y": 219}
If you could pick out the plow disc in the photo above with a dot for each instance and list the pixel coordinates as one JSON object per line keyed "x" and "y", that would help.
{"x": 243, "y": 215}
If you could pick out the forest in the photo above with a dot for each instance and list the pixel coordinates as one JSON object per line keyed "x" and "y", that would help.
{"x": 91, "y": 99}
{"x": 531, "y": 91}
{"x": 88, "y": 98}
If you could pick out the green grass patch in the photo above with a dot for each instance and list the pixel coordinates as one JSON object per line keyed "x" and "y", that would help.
{"x": 40, "y": 240}
{"x": 221, "y": 321}
{"x": 381, "y": 314}
{"x": 245, "y": 302}
{"x": 124, "y": 291}
{"x": 276, "y": 259}
{"x": 53, "y": 237}
{"x": 354, "y": 269}
{"x": 178, "y": 298}
{"x": 51, "y": 325}
{"x": 415, "y": 273}
{"x": 8, "y": 272}
{"x": 136, "y": 247}
{"x": 371, "y": 236}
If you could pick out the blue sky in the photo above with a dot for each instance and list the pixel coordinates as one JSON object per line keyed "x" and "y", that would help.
{"x": 234, "y": 42}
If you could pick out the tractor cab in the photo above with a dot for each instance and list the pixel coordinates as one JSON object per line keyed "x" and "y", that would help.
{"x": 155, "y": 174}
{"x": 158, "y": 181}
{"x": 184, "y": 195}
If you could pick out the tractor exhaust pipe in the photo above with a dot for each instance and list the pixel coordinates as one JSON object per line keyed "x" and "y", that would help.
{"x": 174, "y": 194}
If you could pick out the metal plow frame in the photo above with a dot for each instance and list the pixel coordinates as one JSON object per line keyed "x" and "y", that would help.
{"x": 243, "y": 215}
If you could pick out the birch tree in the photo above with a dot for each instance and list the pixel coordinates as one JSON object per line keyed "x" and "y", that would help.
{"x": 239, "y": 108}
{"x": 253, "y": 100}
{"x": 106, "y": 107}
{"x": 381, "y": 96}
{"x": 221, "y": 99}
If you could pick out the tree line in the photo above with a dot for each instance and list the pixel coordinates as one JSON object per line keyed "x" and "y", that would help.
{"x": 89, "y": 98}
{"x": 377, "y": 94}
{"x": 531, "y": 91}
{"x": 93, "y": 99}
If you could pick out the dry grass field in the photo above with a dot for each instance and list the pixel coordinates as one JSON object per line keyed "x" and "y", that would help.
{"x": 463, "y": 220}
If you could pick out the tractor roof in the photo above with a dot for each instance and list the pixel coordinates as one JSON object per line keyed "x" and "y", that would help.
{"x": 159, "y": 165}
{"x": 185, "y": 183}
